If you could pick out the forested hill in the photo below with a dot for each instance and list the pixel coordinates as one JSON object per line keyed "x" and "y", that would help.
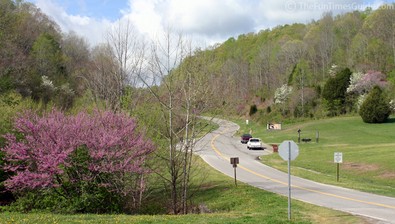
{"x": 248, "y": 70}
{"x": 39, "y": 62}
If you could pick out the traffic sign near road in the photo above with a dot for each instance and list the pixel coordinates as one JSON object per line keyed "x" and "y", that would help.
{"x": 338, "y": 157}
{"x": 288, "y": 150}
{"x": 287, "y": 147}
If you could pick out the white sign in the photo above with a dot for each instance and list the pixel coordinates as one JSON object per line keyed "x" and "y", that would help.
{"x": 273, "y": 126}
{"x": 338, "y": 157}
{"x": 287, "y": 147}
{"x": 247, "y": 122}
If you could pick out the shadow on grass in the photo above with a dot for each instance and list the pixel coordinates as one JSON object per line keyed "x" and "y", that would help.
{"x": 390, "y": 120}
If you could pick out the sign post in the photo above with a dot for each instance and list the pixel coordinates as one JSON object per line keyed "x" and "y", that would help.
{"x": 288, "y": 150}
{"x": 338, "y": 158}
{"x": 234, "y": 161}
{"x": 299, "y": 135}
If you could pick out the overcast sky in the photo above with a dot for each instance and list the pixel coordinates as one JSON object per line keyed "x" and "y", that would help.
{"x": 208, "y": 21}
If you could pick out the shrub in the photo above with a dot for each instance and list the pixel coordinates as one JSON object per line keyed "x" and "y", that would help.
{"x": 253, "y": 109}
{"x": 375, "y": 108}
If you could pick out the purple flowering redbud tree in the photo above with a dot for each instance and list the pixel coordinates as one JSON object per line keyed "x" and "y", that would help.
{"x": 43, "y": 153}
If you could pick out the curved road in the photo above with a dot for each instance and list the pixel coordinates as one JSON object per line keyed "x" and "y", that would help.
{"x": 217, "y": 147}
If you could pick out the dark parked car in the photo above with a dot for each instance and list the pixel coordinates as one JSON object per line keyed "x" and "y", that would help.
{"x": 245, "y": 138}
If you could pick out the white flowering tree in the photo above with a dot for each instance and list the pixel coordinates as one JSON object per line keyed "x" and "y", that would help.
{"x": 392, "y": 105}
{"x": 63, "y": 96}
{"x": 282, "y": 94}
{"x": 362, "y": 83}
{"x": 47, "y": 89}
{"x": 333, "y": 70}
{"x": 354, "y": 80}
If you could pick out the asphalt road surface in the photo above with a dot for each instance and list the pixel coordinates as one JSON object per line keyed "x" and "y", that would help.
{"x": 219, "y": 146}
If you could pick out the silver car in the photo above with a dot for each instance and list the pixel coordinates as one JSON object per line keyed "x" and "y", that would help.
{"x": 254, "y": 143}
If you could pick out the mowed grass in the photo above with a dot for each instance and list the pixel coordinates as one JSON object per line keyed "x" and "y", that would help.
{"x": 224, "y": 203}
{"x": 368, "y": 152}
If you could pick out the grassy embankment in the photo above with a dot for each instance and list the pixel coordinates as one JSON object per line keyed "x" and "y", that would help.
{"x": 368, "y": 152}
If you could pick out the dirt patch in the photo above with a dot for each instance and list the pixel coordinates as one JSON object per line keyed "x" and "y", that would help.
{"x": 360, "y": 167}
{"x": 387, "y": 175}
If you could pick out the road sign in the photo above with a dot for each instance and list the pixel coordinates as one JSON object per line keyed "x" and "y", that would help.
{"x": 288, "y": 150}
{"x": 234, "y": 161}
{"x": 338, "y": 157}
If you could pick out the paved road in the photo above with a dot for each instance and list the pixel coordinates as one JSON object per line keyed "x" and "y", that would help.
{"x": 217, "y": 147}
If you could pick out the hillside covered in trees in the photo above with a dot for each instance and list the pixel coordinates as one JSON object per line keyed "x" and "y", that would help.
{"x": 40, "y": 62}
{"x": 248, "y": 71}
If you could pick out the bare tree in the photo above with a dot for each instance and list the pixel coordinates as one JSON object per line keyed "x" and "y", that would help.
{"x": 264, "y": 67}
{"x": 129, "y": 51}
{"x": 182, "y": 98}
{"x": 294, "y": 51}
{"x": 321, "y": 40}
{"x": 77, "y": 56}
{"x": 102, "y": 77}
{"x": 237, "y": 72}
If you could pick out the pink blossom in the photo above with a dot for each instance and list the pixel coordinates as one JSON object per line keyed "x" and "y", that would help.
{"x": 44, "y": 152}
{"x": 362, "y": 83}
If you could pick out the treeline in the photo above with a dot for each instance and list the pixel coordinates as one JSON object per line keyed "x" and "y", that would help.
{"x": 36, "y": 57}
{"x": 247, "y": 71}
{"x": 40, "y": 62}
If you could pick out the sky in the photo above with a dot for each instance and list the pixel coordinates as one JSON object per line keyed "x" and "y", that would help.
{"x": 207, "y": 21}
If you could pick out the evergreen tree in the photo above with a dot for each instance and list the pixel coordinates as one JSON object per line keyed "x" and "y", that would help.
{"x": 335, "y": 90}
{"x": 375, "y": 108}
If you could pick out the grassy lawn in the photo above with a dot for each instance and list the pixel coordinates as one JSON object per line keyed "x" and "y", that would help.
{"x": 224, "y": 202}
{"x": 368, "y": 152}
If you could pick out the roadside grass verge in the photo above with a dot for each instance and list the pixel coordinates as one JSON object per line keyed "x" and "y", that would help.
{"x": 222, "y": 203}
{"x": 368, "y": 152}
{"x": 204, "y": 127}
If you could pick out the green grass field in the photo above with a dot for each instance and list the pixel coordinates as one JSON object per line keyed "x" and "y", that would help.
{"x": 225, "y": 204}
{"x": 368, "y": 152}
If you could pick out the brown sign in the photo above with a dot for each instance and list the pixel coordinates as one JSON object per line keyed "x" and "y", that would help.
{"x": 234, "y": 161}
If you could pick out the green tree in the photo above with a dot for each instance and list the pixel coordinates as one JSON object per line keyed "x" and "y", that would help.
{"x": 335, "y": 90}
{"x": 376, "y": 107}
{"x": 48, "y": 57}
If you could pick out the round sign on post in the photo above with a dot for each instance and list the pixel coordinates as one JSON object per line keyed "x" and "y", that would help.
{"x": 287, "y": 147}
{"x": 288, "y": 150}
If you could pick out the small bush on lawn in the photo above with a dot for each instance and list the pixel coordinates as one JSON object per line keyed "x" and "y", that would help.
{"x": 376, "y": 107}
